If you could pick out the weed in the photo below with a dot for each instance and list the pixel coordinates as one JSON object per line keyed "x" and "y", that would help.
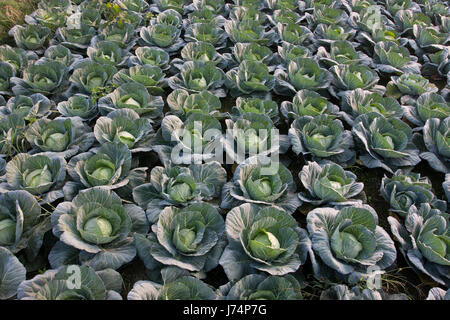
{"x": 13, "y": 12}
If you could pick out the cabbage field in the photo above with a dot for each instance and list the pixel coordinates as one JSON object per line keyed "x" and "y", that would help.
{"x": 226, "y": 150}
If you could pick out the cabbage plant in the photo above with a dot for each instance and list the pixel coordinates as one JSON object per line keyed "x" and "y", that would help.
{"x": 327, "y": 34}
{"x": 354, "y": 76}
{"x": 133, "y": 18}
{"x": 406, "y": 189}
{"x": 294, "y": 34}
{"x": 437, "y": 62}
{"x": 406, "y": 19}
{"x": 2, "y": 166}
{"x": 393, "y": 6}
{"x": 132, "y": 96}
{"x": 76, "y": 39}
{"x": 302, "y": 73}
{"x": 60, "y": 5}
{"x": 307, "y": 103}
{"x": 205, "y": 14}
{"x": 96, "y": 230}
{"x": 162, "y": 36}
{"x": 18, "y": 58}
{"x": 434, "y": 145}
{"x": 179, "y": 187}
{"x": 199, "y": 51}
{"x": 168, "y": 17}
{"x": 138, "y": 6}
{"x": 255, "y": 105}
{"x": 62, "y": 54}
{"x": 124, "y": 126}
{"x": 380, "y": 34}
{"x": 428, "y": 105}
{"x": 408, "y": 178}
{"x": 342, "y": 52}
{"x": 120, "y": 33}
{"x": 66, "y": 136}
{"x": 261, "y": 287}
{"x": 183, "y": 287}
{"x": 89, "y": 75}
{"x": 428, "y": 38}
{"x": 437, "y": 293}
{"x": 107, "y": 52}
{"x": 57, "y": 284}
{"x": 326, "y": 14}
{"x": 246, "y": 11}
{"x": 362, "y": 18}
{"x": 182, "y": 104}
{"x": 206, "y": 32}
{"x": 392, "y": 58}
{"x": 329, "y": 184}
{"x": 197, "y": 138}
{"x": 44, "y": 76}
{"x": 263, "y": 182}
{"x": 249, "y": 5}
{"x": 78, "y": 105}
{"x": 250, "y": 51}
{"x": 49, "y": 17}
{"x": 423, "y": 241}
{"x": 196, "y": 77}
{"x": 359, "y": 101}
{"x": 322, "y": 137}
{"x": 248, "y": 31}
{"x": 408, "y": 85}
{"x": 250, "y": 78}
{"x": 22, "y": 227}
{"x": 108, "y": 167}
{"x": 6, "y": 73}
{"x": 283, "y": 16}
{"x": 43, "y": 175}
{"x": 385, "y": 142}
{"x": 30, "y": 37}
{"x": 282, "y": 4}
{"x": 342, "y": 292}
{"x": 94, "y": 5}
{"x": 190, "y": 238}
{"x": 12, "y": 128}
{"x": 252, "y": 134}
{"x": 152, "y": 77}
{"x": 446, "y": 186}
{"x": 90, "y": 18}
{"x": 214, "y": 6}
{"x": 288, "y": 52}
{"x": 263, "y": 240}
{"x": 162, "y": 5}
{"x": 153, "y": 56}
{"x": 12, "y": 272}
{"x": 348, "y": 241}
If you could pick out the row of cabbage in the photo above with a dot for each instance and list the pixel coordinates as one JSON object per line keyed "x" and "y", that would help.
{"x": 78, "y": 114}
